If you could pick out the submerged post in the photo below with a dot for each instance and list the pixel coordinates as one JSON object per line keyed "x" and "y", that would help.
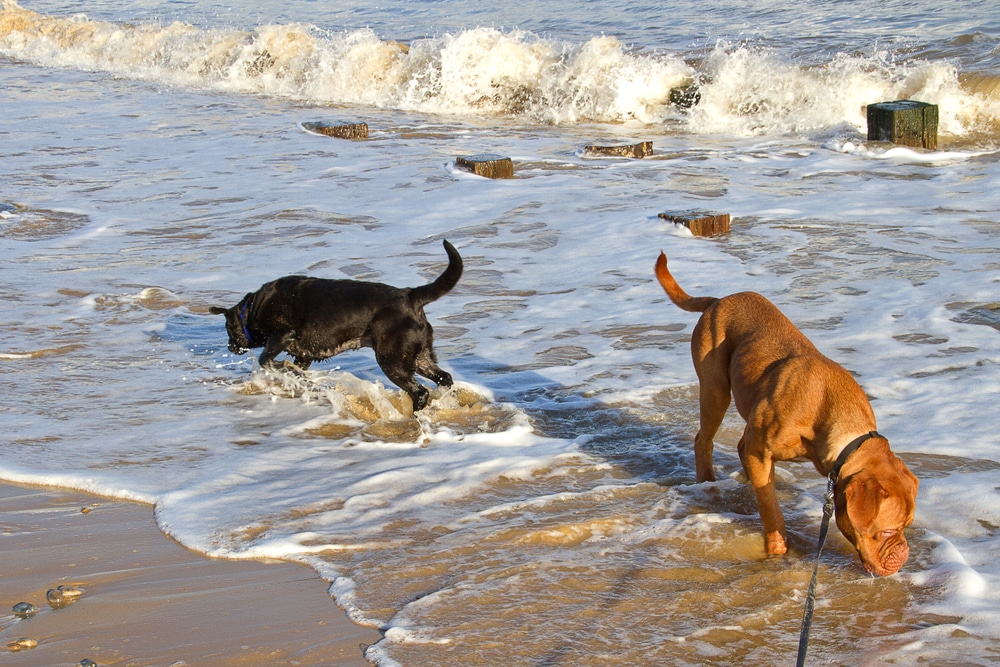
{"x": 701, "y": 223}
{"x": 339, "y": 130}
{"x": 639, "y": 150}
{"x": 488, "y": 165}
{"x": 685, "y": 97}
{"x": 905, "y": 122}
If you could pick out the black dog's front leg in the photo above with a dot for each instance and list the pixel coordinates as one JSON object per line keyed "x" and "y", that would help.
{"x": 274, "y": 346}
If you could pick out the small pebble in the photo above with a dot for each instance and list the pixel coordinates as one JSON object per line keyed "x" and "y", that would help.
{"x": 70, "y": 591}
{"x": 24, "y": 609}
{"x": 87, "y": 662}
{"x": 21, "y": 644}
{"x": 63, "y": 595}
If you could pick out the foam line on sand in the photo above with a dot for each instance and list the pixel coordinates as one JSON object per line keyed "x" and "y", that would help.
{"x": 146, "y": 600}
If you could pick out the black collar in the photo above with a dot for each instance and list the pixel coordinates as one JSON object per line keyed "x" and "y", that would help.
{"x": 851, "y": 447}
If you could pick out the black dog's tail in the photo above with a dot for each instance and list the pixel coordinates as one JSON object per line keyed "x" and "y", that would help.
{"x": 419, "y": 296}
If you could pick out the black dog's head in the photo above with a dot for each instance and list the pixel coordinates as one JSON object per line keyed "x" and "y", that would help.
{"x": 240, "y": 339}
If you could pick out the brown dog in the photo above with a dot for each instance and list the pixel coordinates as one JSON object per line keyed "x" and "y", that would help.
{"x": 797, "y": 404}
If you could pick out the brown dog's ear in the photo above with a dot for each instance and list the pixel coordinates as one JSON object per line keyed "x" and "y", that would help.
{"x": 217, "y": 310}
{"x": 909, "y": 477}
{"x": 864, "y": 501}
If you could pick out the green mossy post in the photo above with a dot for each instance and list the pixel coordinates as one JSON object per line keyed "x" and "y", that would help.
{"x": 701, "y": 223}
{"x": 340, "y": 131}
{"x": 904, "y": 122}
{"x": 685, "y": 97}
{"x": 488, "y": 165}
{"x": 639, "y": 150}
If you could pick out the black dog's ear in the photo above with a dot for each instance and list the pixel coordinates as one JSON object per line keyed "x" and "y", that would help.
{"x": 217, "y": 310}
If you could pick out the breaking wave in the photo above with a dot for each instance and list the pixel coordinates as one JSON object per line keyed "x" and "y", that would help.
{"x": 742, "y": 89}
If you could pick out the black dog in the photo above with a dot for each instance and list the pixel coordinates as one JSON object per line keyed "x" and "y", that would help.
{"x": 313, "y": 319}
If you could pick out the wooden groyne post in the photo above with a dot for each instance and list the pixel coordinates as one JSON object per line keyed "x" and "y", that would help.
{"x": 639, "y": 150}
{"x": 339, "y": 130}
{"x": 905, "y": 122}
{"x": 701, "y": 223}
{"x": 488, "y": 165}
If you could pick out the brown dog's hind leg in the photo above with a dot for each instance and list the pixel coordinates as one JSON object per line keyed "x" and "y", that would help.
{"x": 713, "y": 405}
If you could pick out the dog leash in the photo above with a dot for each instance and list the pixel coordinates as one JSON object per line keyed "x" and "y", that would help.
{"x": 831, "y": 482}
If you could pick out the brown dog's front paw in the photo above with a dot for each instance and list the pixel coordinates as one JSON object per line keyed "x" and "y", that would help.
{"x": 707, "y": 475}
{"x": 775, "y": 545}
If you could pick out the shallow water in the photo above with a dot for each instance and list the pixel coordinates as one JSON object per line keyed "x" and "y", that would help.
{"x": 544, "y": 511}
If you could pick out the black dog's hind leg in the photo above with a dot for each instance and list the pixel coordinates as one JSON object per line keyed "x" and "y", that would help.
{"x": 428, "y": 367}
{"x": 426, "y": 363}
{"x": 418, "y": 393}
{"x": 401, "y": 375}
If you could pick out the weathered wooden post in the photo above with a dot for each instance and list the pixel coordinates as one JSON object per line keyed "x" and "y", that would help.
{"x": 489, "y": 165}
{"x": 701, "y": 223}
{"x": 685, "y": 97}
{"x": 639, "y": 150}
{"x": 339, "y": 130}
{"x": 905, "y": 122}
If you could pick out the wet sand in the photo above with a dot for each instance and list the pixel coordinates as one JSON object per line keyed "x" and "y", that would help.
{"x": 149, "y": 601}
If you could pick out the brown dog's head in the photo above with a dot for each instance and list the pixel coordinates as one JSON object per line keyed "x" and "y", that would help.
{"x": 240, "y": 340}
{"x": 875, "y": 504}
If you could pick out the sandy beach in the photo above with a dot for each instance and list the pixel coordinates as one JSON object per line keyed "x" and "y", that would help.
{"x": 146, "y": 600}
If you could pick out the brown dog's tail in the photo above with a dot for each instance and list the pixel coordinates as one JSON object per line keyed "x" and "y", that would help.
{"x": 694, "y": 304}
{"x": 424, "y": 294}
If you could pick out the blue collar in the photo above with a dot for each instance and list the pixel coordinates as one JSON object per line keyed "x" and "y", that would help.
{"x": 243, "y": 322}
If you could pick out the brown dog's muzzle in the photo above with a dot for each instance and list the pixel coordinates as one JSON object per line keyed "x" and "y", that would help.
{"x": 892, "y": 555}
